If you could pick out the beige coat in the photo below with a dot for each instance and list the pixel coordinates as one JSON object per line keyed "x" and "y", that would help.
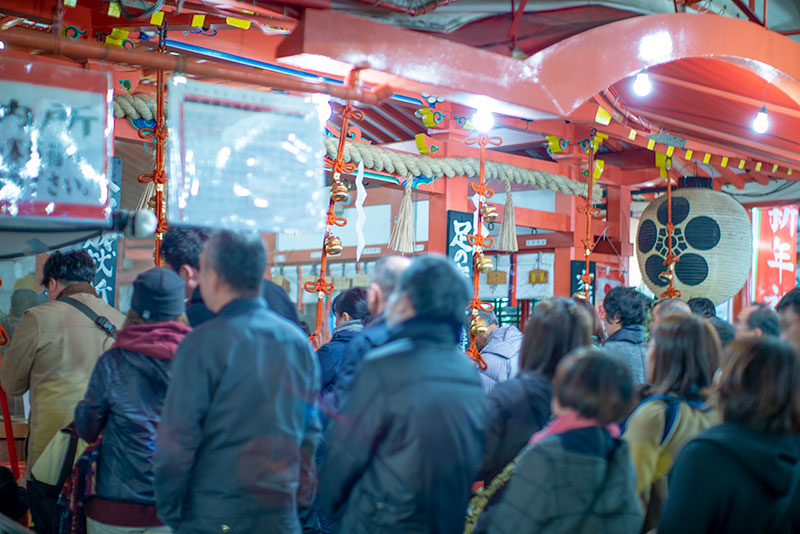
{"x": 52, "y": 354}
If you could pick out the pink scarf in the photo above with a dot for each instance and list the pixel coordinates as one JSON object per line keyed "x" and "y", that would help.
{"x": 570, "y": 421}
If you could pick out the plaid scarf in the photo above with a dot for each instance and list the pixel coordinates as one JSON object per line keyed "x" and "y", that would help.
{"x": 79, "y": 487}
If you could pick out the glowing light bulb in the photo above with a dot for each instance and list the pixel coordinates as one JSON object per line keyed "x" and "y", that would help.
{"x": 323, "y": 106}
{"x": 761, "y": 122}
{"x": 2, "y": 45}
{"x": 178, "y": 80}
{"x": 483, "y": 120}
{"x": 642, "y": 85}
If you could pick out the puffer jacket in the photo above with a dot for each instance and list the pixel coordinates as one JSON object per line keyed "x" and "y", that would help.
{"x": 52, "y": 354}
{"x": 124, "y": 399}
{"x": 330, "y": 355}
{"x": 373, "y": 336}
{"x": 627, "y": 344}
{"x": 501, "y": 354}
{"x": 581, "y": 481}
{"x": 517, "y": 408}
{"x": 407, "y": 442}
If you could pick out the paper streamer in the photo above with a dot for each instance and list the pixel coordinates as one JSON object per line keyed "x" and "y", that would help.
{"x": 361, "y": 196}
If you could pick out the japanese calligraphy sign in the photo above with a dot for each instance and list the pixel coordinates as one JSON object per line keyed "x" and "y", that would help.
{"x": 459, "y": 251}
{"x": 56, "y": 130}
{"x": 775, "y": 261}
{"x": 577, "y": 268}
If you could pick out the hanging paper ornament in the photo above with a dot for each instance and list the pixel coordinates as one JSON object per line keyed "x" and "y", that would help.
{"x": 402, "y": 239}
{"x": 333, "y": 245}
{"x": 507, "y": 240}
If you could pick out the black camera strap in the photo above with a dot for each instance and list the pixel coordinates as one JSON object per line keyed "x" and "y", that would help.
{"x": 101, "y": 321}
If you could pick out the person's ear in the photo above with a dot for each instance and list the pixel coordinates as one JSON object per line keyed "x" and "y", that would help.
{"x": 52, "y": 288}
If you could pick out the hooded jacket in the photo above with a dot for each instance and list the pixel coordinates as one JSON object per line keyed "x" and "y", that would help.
{"x": 517, "y": 408}
{"x": 406, "y": 445}
{"x": 732, "y": 479}
{"x": 124, "y": 399}
{"x": 501, "y": 354}
{"x": 627, "y": 343}
{"x": 578, "y": 482}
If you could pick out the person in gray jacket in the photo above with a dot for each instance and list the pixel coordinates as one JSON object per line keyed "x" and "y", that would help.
{"x": 239, "y": 427}
{"x": 625, "y": 311}
{"x": 499, "y": 347}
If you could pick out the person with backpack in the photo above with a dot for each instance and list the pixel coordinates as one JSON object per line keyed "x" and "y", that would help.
{"x": 123, "y": 402}
{"x": 576, "y": 474}
{"x": 743, "y": 476}
{"x": 683, "y": 357}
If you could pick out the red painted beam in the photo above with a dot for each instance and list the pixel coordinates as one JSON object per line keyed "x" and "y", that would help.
{"x": 544, "y": 220}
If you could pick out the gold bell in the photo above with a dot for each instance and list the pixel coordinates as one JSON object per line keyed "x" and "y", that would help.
{"x": 333, "y": 246}
{"x": 339, "y": 192}
{"x": 484, "y": 264}
{"x": 478, "y": 327}
{"x": 152, "y": 203}
{"x": 489, "y": 213}
{"x": 666, "y": 275}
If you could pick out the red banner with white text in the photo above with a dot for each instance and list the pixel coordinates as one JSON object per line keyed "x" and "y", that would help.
{"x": 775, "y": 259}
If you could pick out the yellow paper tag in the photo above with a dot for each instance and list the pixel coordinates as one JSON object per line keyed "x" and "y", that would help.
{"x": 651, "y": 144}
{"x": 114, "y": 10}
{"x": 758, "y": 167}
{"x": 238, "y": 23}
{"x": 689, "y": 154}
{"x": 632, "y": 134}
{"x": 603, "y": 117}
{"x": 789, "y": 172}
{"x": 724, "y": 161}
{"x": 119, "y": 33}
{"x": 599, "y": 166}
{"x": 198, "y": 20}
{"x": 775, "y": 168}
{"x": 670, "y": 151}
{"x": 70, "y": 3}
{"x": 706, "y": 158}
{"x": 157, "y": 18}
{"x": 741, "y": 163}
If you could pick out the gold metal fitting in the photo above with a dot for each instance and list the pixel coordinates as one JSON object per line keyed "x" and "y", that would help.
{"x": 339, "y": 192}
{"x": 478, "y": 327}
{"x": 484, "y": 264}
{"x": 333, "y": 246}
{"x": 489, "y": 213}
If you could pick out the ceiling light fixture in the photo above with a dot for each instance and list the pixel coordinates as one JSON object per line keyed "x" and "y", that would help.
{"x": 642, "y": 85}
{"x": 483, "y": 120}
{"x": 761, "y": 122}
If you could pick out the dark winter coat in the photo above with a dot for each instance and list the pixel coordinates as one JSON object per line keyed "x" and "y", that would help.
{"x": 124, "y": 398}
{"x": 374, "y": 335}
{"x": 276, "y": 298}
{"x": 579, "y": 482}
{"x": 517, "y": 408}
{"x": 627, "y": 343}
{"x": 239, "y": 428}
{"x": 731, "y": 479}
{"x": 501, "y": 354}
{"x": 330, "y": 355}
{"x": 407, "y": 443}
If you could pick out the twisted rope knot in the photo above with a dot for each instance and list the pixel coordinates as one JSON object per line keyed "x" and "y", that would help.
{"x": 480, "y": 241}
{"x": 478, "y": 304}
{"x": 475, "y": 354}
{"x": 334, "y": 220}
{"x": 482, "y": 190}
{"x": 484, "y": 140}
{"x": 319, "y": 285}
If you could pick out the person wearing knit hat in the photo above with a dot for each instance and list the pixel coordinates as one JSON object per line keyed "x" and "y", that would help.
{"x": 124, "y": 400}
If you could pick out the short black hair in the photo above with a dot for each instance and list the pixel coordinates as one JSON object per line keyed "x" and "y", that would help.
{"x": 437, "y": 290}
{"x": 594, "y": 384}
{"x": 240, "y": 258}
{"x": 182, "y": 246}
{"x": 790, "y": 300}
{"x": 627, "y": 304}
{"x": 74, "y": 265}
{"x": 354, "y": 303}
{"x": 703, "y": 306}
{"x": 765, "y": 318}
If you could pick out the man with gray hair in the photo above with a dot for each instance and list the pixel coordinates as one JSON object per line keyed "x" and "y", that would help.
{"x": 384, "y": 281}
{"x": 407, "y": 443}
{"x": 758, "y": 320}
{"x": 499, "y": 348}
{"x": 239, "y": 428}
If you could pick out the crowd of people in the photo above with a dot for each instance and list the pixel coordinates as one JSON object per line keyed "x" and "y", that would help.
{"x": 208, "y": 409}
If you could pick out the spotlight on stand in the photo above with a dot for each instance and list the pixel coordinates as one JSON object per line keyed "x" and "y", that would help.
{"x": 483, "y": 120}
{"x": 761, "y": 122}
{"x": 642, "y": 85}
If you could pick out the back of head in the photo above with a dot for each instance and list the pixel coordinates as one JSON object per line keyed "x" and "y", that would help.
{"x": 790, "y": 300}
{"x": 556, "y": 327}
{"x": 595, "y": 385}
{"x": 182, "y": 246}
{"x": 686, "y": 354}
{"x": 158, "y": 296}
{"x": 388, "y": 271}
{"x": 703, "y": 306}
{"x": 23, "y": 299}
{"x": 760, "y": 385}
{"x": 436, "y": 289}
{"x": 725, "y": 330}
{"x": 488, "y": 317}
{"x": 239, "y": 258}
{"x": 71, "y": 266}
{"x": 765, "y": 318}
{"x": 670, "y": 306}
{"x": 625, "y": 304}
{"x": 354, "y": 303}
{"x": 597, "y": 325}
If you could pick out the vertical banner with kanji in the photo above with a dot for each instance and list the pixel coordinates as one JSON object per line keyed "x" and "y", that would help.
{"x": 459, "y": 225}
{"x": 775, "y": 259}
{"x": 577, "y": 269}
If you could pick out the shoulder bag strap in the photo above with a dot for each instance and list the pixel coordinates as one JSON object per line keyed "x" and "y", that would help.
{"x": 69, "y": 458}
{"x": 102, "y": 322}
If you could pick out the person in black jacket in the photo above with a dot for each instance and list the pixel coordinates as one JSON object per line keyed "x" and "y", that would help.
{"x": 124, "y": 400}
{"x": 407, "y": 442}
{"x": 743, "y": 476}
{"x": 521, "y": 406}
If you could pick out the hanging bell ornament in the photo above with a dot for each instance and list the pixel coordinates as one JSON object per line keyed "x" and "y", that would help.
{"x": 666, "y": 275}
{"x": 484, "y": 264}
{"x": 489, "y": 213}
{"x": 478, "y": 327}
{"x": 333, "y": 246}
{"x": 151, "y": 204}
{"x": 339, "y": 192}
